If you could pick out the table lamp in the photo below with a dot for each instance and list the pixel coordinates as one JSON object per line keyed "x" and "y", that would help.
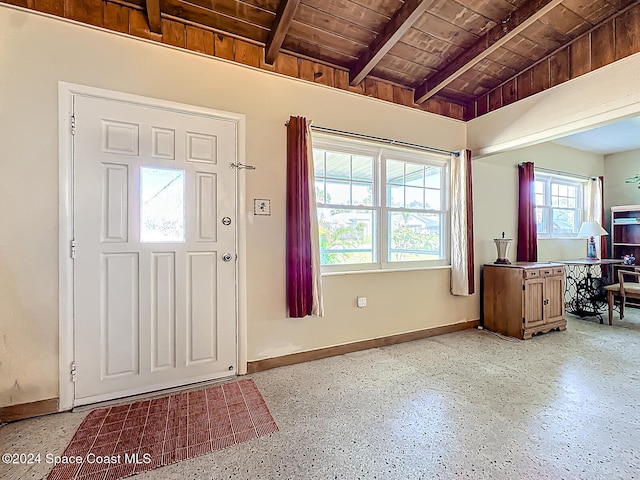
{"x": 590, "y": 230}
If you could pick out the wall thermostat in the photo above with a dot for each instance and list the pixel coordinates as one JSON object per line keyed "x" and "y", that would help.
{"x": 261, "y": 206}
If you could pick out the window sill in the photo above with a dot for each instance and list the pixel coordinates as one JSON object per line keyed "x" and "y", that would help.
{"x": 382, "y": 270}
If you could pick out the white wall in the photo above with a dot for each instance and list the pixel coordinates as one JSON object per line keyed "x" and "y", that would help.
{"x": 495, "y": 181}
{"x": 36, "y": 52}
{"x": 618, "y": 167}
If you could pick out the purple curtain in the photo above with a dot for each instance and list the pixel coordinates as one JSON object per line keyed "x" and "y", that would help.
{"x": 527, "y": 232}
{"x": 299, "y": 259}
{"x": 470, "y": 251}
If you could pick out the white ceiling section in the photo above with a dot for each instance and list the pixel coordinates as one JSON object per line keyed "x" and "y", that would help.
{"x": 614, "y": 138}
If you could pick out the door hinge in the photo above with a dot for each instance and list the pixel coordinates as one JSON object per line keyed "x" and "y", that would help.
{"x": 523, "y": 286}
{"x": 73, "y": 248}
{"x": 73, "y": 124}
{"x": 73, "y": 371}
{"x": 523, "y": 320}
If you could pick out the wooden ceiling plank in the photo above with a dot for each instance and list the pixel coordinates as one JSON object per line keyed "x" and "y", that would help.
{"x": 526, "y": 48}
{"x": 592, "y": 12}
{"x": 494, "y": 10}
{"x": 566, "y": 21}
{"x": 281, "y": 24}
{"x": 427, "y": 43}
{"x": 153, "y": 15}
{"x": 333, "y": 24}
{"x": 311, "y": 50}
{"x": 392, "y": 75}
{"x": 454, "y": 96}
{"x": 462, "y": 17}
{"x": 325, "y": 38}
{"x": 219, "y": 21}
{"x": 351, "y": 12}
{"x": 545, "y": 36}
{"x": 416, "y": 55}
{"x": 412, "y": 69}
{"x": 239, "y": 10}
{"x": 385, "y": 7}
{"x": 494, "y": 69}
{"x": 517, "y": 22}
{"x": 445, "y": 31}
{"x": 511, "y": 59}
{"x": 402, "y": 21}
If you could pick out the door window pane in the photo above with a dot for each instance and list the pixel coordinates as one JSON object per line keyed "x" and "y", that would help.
{"x": 161, "y": 205}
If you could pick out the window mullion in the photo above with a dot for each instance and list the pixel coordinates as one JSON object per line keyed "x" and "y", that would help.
{"x": 383, "y": 216}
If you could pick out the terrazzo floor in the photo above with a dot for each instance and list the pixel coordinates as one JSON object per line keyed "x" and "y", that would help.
{"x": 565, "y": 405}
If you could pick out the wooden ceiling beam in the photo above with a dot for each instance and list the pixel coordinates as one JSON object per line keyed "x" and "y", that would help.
{"x": 281, "y": 24}
{"x": 514, "y": 24}
{"x": 153, "y": 15}
{"x": 401, "y": 21}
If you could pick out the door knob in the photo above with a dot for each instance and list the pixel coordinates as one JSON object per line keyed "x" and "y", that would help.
{"x": 226, "y": 257}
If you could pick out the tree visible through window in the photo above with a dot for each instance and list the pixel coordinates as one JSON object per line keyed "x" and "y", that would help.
{"x": 379, "y": 208}
{"x": 558, "y": 206}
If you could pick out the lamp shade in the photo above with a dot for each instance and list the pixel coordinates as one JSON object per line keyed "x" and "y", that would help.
{"x": 591, "y": 229}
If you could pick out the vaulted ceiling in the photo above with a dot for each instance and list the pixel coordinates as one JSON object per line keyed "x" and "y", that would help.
{"x": 464, "y": 52}
{"x": 457, "y": 50}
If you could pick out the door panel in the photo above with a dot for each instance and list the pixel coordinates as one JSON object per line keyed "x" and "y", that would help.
{"x": 555, "y": 295}
{"x": 201, "y": 331}
{"x": 163, "y": 313}
{"x": 154, "y": 303}
{"x": 115, "y": 187}
{"x": 533, "y": 298}
{"x": 119, "y": 318}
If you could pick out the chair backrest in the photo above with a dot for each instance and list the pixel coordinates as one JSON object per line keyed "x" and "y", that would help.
{"x": 628, "y": 273}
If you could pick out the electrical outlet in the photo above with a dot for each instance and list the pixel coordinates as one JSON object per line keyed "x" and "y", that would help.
{"x": 261, "y": 206}
{"x": 362, "y": 302}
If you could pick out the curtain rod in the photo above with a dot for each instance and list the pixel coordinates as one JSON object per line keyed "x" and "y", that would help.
{"x": 381, "y": 140}
{"x": 558, "y": 172}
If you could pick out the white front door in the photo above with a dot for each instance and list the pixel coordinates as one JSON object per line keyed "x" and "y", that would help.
{"x": 154, "y": 229}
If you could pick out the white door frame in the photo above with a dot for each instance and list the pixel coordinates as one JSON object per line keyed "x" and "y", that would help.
{"x": 66, "y": 94}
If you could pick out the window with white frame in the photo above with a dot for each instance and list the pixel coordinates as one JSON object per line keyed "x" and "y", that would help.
{"x": 380, "y": 208}
{"x": 559, "y": 205}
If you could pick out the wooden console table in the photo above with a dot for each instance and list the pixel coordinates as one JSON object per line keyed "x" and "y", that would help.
{"x": 522, "y": 299}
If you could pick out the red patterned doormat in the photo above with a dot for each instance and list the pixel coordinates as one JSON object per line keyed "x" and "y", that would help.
{"x": 123, "y": 440}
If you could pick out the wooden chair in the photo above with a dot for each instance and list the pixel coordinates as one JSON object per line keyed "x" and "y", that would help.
{"x": 623, "y": 290}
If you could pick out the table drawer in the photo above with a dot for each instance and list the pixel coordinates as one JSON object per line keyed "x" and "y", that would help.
{"x": 547, "y": 272}
{"x": 531, "y": 273}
